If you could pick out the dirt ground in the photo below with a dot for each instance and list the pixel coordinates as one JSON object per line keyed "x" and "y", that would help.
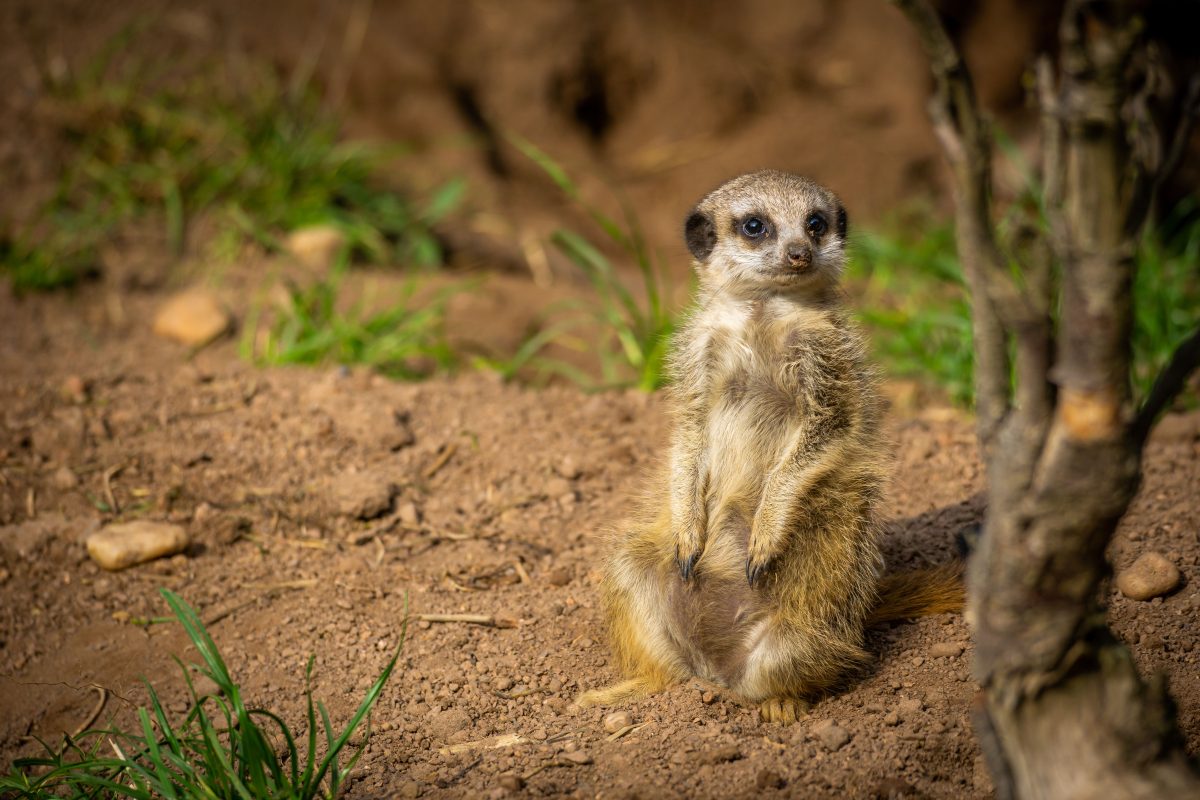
{"x": 492, "y": 498}
{"x": 495, "y": 498}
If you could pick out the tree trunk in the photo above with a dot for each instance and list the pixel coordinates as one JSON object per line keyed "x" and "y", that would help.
{"x": 1063, "y": 712}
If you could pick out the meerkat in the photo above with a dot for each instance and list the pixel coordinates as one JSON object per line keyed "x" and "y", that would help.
{"x": 755, "y": 562}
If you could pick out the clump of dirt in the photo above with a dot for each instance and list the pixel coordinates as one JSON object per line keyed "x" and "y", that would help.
{"x": 469, "y": 496}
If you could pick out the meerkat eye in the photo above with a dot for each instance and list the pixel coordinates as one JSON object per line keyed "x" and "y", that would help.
{"x": 754, "y": 227}
{"x": 817, "y": 225}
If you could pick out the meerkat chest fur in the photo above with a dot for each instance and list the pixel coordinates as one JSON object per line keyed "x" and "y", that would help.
{"x": 749, "y": 351}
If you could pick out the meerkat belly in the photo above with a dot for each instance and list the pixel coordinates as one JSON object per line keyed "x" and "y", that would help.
{"x": 718, "y": 618}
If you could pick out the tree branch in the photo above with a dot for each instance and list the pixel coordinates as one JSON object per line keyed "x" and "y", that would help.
{"x": 1169, "y": 383}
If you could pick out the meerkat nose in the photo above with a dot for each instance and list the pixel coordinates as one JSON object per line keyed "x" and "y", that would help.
{"x": 799, "y": 255}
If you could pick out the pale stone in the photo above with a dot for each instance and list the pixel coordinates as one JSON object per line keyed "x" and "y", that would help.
{"x": 830, "y": 734}
{"x": 946, "y": 650}
{"x": 617, "y": 720}
{"x": 315, "y": 246}
{"x": 193, "y": 317}
{"x": 125, "y": 544}
{"x": 1152, "y": 575}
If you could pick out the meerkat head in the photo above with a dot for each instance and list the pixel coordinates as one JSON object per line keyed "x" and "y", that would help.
{"x": 769, "y": 230}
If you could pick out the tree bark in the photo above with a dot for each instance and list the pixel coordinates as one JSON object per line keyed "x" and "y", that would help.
{"x": 1063, "y": 710}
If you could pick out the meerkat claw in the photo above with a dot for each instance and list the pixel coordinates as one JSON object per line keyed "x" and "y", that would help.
{"x": 755, "y": 571}
{"x": 784, "y": 710}
{"x": 687, "y": 566}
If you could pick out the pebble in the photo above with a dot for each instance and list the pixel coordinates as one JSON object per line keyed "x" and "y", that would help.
{"x": 74, "y": 388}
{"x": 568, "y": 468}
{"x": 580, "y": 757}
{"x": 502, "y": 684}
{"x": 557, "y": 487}
{"x": 723, "y": 754}
{"x": 559, "y": 576}
{"x": 1152, "y": 575}
{"x": 511, "y": 783}
{"x": 447, "y": 723}
{"x": 127, "y": 543}
{"x": 193, "y": 317}
{"x": 709, "y": 697}
{"x": 617, "y": 720}
{"x": 946, "y": 649}
{"x": 891, "y": 719}
{"x": 64, "y": 479}
{"x": 909, "y": 706}
{"x": 409, "y": 515}
{"x": 768, "y": 779}
{"x": 917, "y": 661}
{"x": 362, "y": 495}
{"x": 833, "y": 736}
{"x": 315, "y": 246}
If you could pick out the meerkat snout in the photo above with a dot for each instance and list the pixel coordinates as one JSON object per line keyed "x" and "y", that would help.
{"x": 799, "y": 255}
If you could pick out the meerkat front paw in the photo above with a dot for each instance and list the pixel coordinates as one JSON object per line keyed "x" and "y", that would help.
{"x": 762, "y": 549}
{"x": 689, "y": 546}
{"x": 782, "y": 709}
{"x": 687, "y": 554}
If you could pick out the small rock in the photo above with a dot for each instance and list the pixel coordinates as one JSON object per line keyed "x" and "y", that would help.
{"x": 447, "y": 723}
{"x": 891, "y": 719}
{"x": 723, "y": 754}
{"x": 616, "y": 721}
{"x": 917, "y": 661}
{"x": 64, "y": 479}
{"x": 74, "y": 388}
{"x": 708, "y": 697}
{"x": 557, "y": 487}
{"x": 410, "y": 790}
{"x": 568, "y": 468}
{"x": 408, "y": 514}
{"x": 315, "y": 246}
{"x": 502, "y": 684}
{"x": 362, "y": 495}
{"x": 559, "y": 576}
{"x": 203, "y": 513}
{"x": 833, "y": 736}
{"x": 946, "y": 650}
{"x": 511, "y": 783}
{"x": 399, "y": 435}
{"x": 893, "y": 789}
{"x": 1152, "y": 575}
{"x": 580, "y": 757}
{"x": 909, "y": 706}
{"x": 125, "y": 544}
{"x": 768, "y": 779}
{"x": 193, "y": 317}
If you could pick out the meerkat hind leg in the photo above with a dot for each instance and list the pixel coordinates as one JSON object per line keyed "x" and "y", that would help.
{"x": 782, "y": 709}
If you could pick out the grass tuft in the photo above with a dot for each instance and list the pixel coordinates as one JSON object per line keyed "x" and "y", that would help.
{"x": 406, "y": 341}
{"x": 220, "y": 749}
{"x": 916, "y": 309}
{"x": 635, "y": 324}
{"x": 225, "y": 142}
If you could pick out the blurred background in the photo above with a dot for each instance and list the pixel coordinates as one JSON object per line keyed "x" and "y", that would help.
{"x": 500, "y": 185}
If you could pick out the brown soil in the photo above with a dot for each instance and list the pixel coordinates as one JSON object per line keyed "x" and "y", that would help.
{"x": 249, "y": 461}
{"x": 498, "y": 501}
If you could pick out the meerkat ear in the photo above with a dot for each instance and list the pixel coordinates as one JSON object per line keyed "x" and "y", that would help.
{"x": 700, "y": 234}
{"x": 841, "y": 221}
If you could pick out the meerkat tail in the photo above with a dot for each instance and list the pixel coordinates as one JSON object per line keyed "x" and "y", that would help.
{"x": 919, "y": 593}
{"x": 617, "y": 693}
